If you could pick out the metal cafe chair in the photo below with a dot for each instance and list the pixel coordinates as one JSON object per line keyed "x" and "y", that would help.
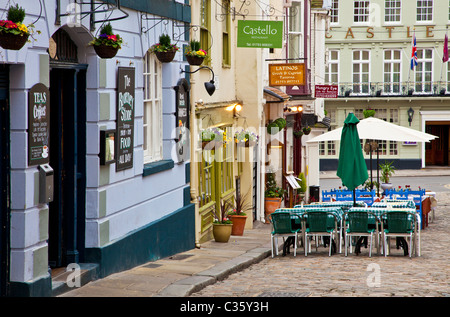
{"x": 359, "y": 224}
{"x": 317, "y": 224}
{"x": 397, "y": 224}
{"x": 282, "y": 227}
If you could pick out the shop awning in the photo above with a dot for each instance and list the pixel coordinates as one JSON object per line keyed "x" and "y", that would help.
{"x": 273, "y": 94}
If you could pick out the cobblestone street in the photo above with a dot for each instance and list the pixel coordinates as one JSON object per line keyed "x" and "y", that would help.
{"x": 319, "y": 275}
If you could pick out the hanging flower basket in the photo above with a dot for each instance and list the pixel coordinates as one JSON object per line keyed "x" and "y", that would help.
{"x": 245, "y": 138}
{"x": 13, "y": 33}
{"x": 166, "y": 57}
{"x": 164, "y": 50}
{"x": 194, "y": 55}
{"x": 307, "y": 130}
{"x": 106, "y": 44}
{"x": 106, "y": 51}
{"x": 10, "y": 41}
{"x": 194, "y": 60}
{"x": 212, "y": 138}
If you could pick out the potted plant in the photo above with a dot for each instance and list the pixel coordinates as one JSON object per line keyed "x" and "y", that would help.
{"x": 164, "y": 50}
{"x": 387, "y": 170}
{"x": 368, "y": 113}
{"x": 194, "y": 55}
{"x": 273, "y": 196}
{"x": 303, "y": 187}
{"x": 106, "y": 44}
{"x": 276, "y": 126}
{"x": 212, "y": 137}
{"x": 238, "y": 215}
{"x": 13, "y": 33}
{"x": 222, "y": 226}
{"x": 245, "y": 138}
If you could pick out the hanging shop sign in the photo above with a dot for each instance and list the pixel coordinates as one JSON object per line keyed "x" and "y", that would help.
{"x": 182, "y": 119}
{"x": 262, "y": 34}
{"x": 125, "y": 118}
{"x": 291, "y": 74}
{"x": 326, "y": 91}
{"x": 38, "y": 124}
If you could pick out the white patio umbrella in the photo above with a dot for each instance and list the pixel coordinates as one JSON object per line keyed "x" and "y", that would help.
{"x": 377, "y": 129}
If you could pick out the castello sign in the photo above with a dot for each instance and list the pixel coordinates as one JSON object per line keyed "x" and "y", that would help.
{"x": 370, "y": 32}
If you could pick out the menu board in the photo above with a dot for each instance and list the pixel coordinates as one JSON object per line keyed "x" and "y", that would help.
{"x": 38, "y": 125}
{"x": 125, "y": 118}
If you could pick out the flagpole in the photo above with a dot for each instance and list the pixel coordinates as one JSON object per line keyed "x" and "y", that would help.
{"x": 412, "y": 56}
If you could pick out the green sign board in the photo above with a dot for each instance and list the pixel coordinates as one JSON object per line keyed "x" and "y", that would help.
{"x": 262, "y": 34}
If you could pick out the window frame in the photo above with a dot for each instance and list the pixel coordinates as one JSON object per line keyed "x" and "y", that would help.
{"x": 392, "y": 61}
{"x": 296, "y": 33}
{"x": 365, "y": 16}
{"x": 387, "y": 14}
{"x": 424, "y": 8}
{"x": 361, "y": 62}
{"x": 421, "y": 62}
{"x": 329, "y": 74}
{"x": 152, "y": 143}
{"x": 334, "y": 13}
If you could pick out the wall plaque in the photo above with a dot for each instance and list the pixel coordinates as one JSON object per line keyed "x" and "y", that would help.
{"x": 125, "y": 118}
{"x": 38, "y": 125}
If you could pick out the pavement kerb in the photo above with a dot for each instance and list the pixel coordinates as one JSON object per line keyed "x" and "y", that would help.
{"x": 198, "y": 281}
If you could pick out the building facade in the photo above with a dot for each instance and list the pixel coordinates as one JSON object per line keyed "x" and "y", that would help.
{"x": 84, "y": 179}
{"x": 369, "y": 50}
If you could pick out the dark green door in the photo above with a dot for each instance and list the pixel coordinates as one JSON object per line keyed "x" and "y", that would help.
{"x": 68, "y": 160}
{"x": 5, "y": 210}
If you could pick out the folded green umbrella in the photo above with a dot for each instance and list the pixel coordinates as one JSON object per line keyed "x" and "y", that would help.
{"x": 352, "y": 168}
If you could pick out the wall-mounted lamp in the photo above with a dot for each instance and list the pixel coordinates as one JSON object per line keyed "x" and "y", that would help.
{"x": 236, "y": 107}
{"x": 410, "y": 115}
{"x": 293, "y": 109}
{"x": 209, "y": 85}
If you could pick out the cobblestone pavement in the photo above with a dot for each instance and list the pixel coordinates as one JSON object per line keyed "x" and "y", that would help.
{"x": 319, "y": 275}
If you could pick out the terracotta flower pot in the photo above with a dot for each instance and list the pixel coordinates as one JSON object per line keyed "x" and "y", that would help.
{"x": 222, "y": 232}
{"x": 106, "y": 51}
{"x": 11, "y": 41}
{"x": 270, "y": 205}
{"x": 238, "y": 224}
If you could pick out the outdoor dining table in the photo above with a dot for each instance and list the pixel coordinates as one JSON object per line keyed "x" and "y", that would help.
{"x": 379, "y": 211}
{"x": 395, "y": 204}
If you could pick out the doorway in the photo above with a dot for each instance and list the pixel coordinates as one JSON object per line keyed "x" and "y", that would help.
{"x": 68, "y": 160}
{"x": 437, "y": 151}
{"x": 5, "y": 169}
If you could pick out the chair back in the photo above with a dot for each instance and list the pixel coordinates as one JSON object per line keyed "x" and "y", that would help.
{"x": 399, "y": 221}
{"x": 358, "y": 221}
{"x": 319, "y": 221}
{"x": 281, "y": 222}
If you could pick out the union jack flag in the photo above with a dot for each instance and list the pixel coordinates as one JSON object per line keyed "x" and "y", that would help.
{"x": 414, "y": 52}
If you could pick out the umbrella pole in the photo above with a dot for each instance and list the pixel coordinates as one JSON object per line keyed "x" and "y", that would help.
{"x": 378, "y": 173}
{"x": 354, "y": 197}
{"x": 371, "y": 170}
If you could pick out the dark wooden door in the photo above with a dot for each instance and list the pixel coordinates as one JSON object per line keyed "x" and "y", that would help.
{"x": 67, "y": 158}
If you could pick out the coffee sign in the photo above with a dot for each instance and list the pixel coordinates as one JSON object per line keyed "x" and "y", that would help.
{"x": 38, "y": 124}
{"x": 125, "y": 118}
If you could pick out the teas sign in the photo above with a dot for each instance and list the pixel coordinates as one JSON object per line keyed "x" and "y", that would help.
{"x": 38, "y": 124}
{"x": 182, "y": 119}
{"x": 262, "y": 34}
{"x": 125, "y": 118}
